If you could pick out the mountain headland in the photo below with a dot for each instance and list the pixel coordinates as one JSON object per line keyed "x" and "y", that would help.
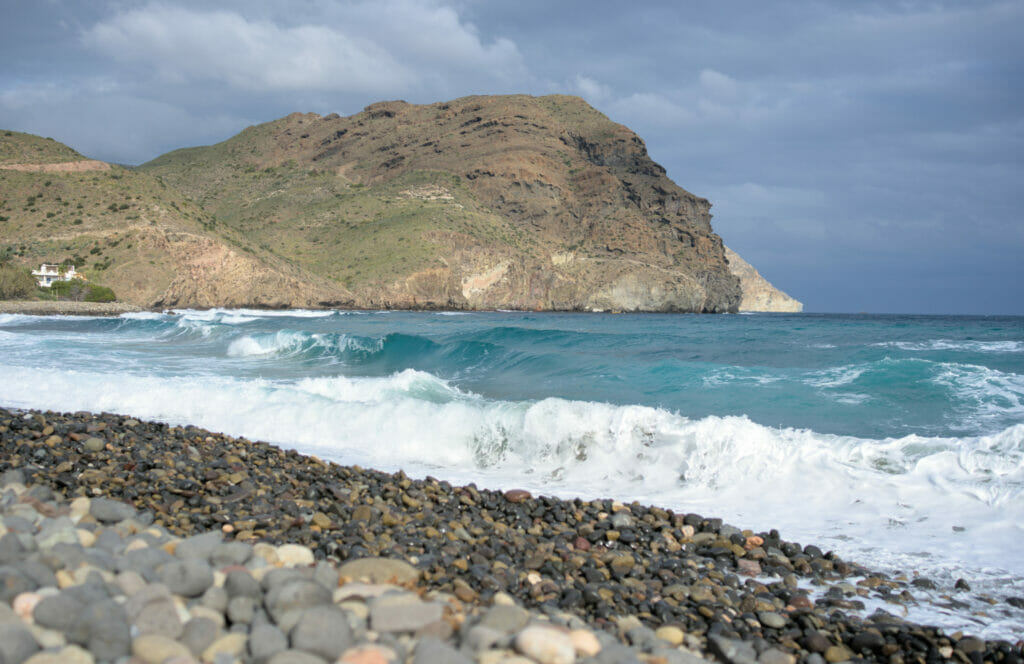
{"x": 483, "y": 202}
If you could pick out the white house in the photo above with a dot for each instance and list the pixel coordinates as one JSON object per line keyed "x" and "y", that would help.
{"x": 47, "y": 274}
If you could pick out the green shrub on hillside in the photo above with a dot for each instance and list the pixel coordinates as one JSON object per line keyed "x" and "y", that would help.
{"x": 100, "y": 294}
{"x": 16, "y": 283}
{"x": 79, "y": 290}
{"x": 73, "y": 289}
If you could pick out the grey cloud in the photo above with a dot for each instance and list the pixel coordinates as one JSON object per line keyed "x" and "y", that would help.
{"x": 375, "y": 48}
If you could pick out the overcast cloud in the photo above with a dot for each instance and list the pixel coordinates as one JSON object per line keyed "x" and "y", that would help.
{"x": 864, "y": 156}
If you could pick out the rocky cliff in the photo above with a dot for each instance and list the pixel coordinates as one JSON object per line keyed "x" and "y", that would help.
{"x": 482, "y": 202}
{"x": 758, "y": 294}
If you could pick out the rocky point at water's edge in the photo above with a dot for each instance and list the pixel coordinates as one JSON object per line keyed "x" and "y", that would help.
{"x": 632, "y": 582}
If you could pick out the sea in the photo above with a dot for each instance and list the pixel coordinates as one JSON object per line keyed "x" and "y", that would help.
{"x": 895, "y": 441}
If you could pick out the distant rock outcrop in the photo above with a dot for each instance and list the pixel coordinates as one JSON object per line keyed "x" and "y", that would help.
{"x": 758, "y": 294}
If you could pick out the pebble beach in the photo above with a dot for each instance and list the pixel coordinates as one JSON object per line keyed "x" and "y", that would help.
{"x": 65, "y": 308}
{"x": 130, "y": 541}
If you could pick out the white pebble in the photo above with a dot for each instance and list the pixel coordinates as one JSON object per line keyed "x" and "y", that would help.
{"x": 547, "y": 645}
{"x": 295, "y": 555}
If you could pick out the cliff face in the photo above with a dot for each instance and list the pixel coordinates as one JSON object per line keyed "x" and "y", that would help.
{"x": 482, "y": 202}
{"x": 758, "y": 294}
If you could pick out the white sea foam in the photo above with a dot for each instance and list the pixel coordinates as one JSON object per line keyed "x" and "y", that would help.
{"x": 880, "y": 501}
{"x": 835, "y": 377}
{"x": 245, "y": 315}
{"x": 992, "y": 393}
{"x": 284, "y": 343}
{"x": 14, "y": 319}
{"x": 249, "y": 346}
{"x": 968, "y": 345}
{"x": 739, "y": 375}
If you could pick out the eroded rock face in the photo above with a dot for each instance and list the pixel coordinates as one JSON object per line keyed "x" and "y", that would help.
{"x": 530, "y": 203}
{"x": 758, "y": 294}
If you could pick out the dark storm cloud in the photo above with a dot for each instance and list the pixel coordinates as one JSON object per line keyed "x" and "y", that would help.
{"x": 864, "y": 156}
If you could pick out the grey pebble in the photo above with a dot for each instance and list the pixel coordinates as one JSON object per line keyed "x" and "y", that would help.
{"x": 239, "y": 583}
{"x": 297, "y": 595}
{"x": 616, "y": 653}
{"x": 771, "y": 619}
{"x": 16, "y": 643}
{"x": 732, "y": 651}
{"x": 56, "y": 531}
{"x": 36, "y": 571}
{"x": 241, "y": 609}
{"x": 13, "y": 582}
{"x": 643, "y": 637}
{"x": 198, "y": 634}
{"x": 12, "y": 476}
{"x": 189, "y": 577}
{"x": 276, "y": 578}
{"x": 231, "y": 553}
{"x": 481, "y": 637}
{"x": 215, "y": 598}
{"x": 106, "y": 510}
{"x": 506, "y": 618}
{"x": 154, "y": 612}
{"x": 622, "y": 520}
{"x": 102, "y": 628}
{"x": 11, "y": 548}
{"x": 57, "y": 611}
{"x": 266, "y": 641}
{"x": 88, "y": 593}
{"x": 198, "y": 546}
{"x": 7, "y": 615}
{"x": 109, "y": 540}
{"x": 296, "y": 657}
{"x": 403, "y": 612}
{"x": 62, "y": 556}
{"x": 431, "y": 650}
{"x": 323, "y": 631}
{"x": 143, "y": 561}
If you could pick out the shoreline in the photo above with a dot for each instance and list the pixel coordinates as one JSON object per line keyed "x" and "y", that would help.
{"x": 599, "y": 560}
{"x": 66, "y": 308}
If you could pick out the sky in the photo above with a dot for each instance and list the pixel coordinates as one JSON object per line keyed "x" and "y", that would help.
{"x": 864, "y": 156}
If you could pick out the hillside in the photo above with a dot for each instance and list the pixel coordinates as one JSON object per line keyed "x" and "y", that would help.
{"x": 17, "y": 149}
{"x": 129, "y": 231}
{"x": 482, "y": 202}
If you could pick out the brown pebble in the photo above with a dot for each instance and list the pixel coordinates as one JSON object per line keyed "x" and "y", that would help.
{"x": 517, "y": 495}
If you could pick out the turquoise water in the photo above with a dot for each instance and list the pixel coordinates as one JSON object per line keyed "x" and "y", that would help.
{"x": 895, "y": 440}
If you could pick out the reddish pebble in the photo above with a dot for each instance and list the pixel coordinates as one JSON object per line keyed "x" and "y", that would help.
{"x": 517, "y": 495}
{"x": 753, "y": 542}
{"x": 581, "y": 544}
{"x": 801, "y": 602}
